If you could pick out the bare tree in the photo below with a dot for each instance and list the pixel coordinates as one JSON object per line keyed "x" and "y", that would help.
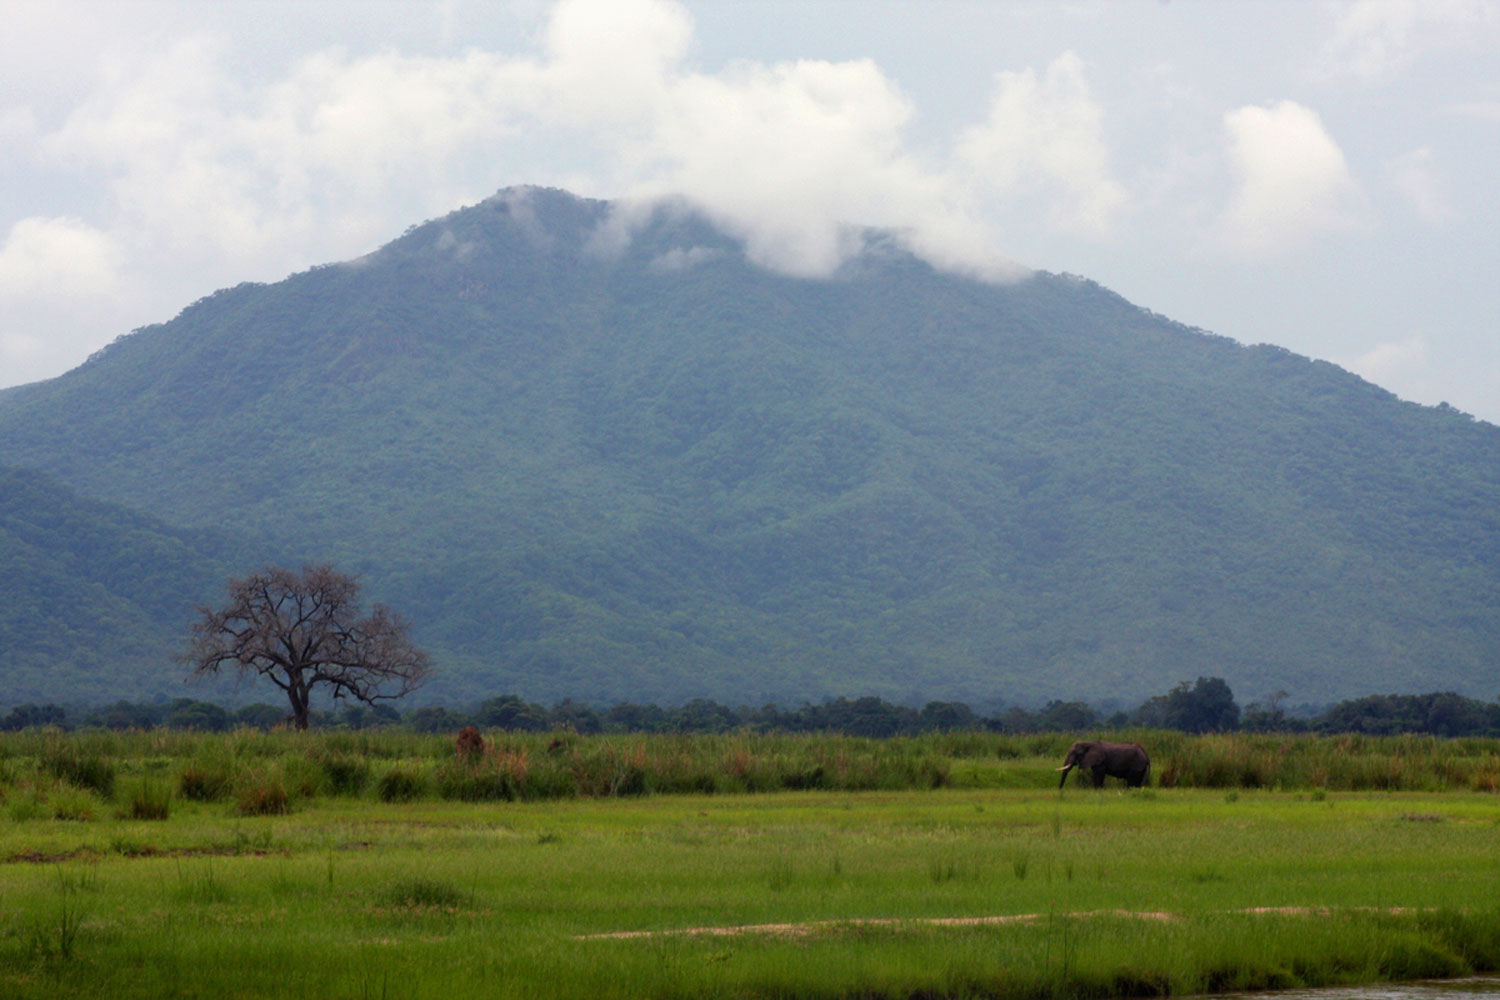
{"x": 302, "y": 631}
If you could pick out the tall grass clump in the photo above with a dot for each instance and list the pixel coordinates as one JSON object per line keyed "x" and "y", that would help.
{"x": 145, "y": 798}
{"x": 80, "y": 765}
{"x": 262, "y": 792}
{"x": 609, "y": 769}
{"x": 344, "y": 772}
{"x": 304, "y": 777}
{"x": 426, "y": 893}
{"x": 1349, "y": 762}
{"x": 69, "y": 803}
{"x": 503, "y": 772}
{"x": 209, "y": 774}
{"x": 23, "y": 805}
{"x": 202, "y": 784}
{"x": 401, "y": 783}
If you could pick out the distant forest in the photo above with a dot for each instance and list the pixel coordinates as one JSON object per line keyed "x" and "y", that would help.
{"x": 1204, "y": 706}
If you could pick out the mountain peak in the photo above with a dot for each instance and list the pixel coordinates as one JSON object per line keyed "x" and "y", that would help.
{"x": 592, "y": 449}
{"x": 661, "y": 235}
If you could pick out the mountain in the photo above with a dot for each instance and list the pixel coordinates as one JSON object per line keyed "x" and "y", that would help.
{"x": 95, "y": 598}
{"x": 623, "y": 462}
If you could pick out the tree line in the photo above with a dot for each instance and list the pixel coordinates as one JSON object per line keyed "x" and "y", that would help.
{"x": 1202, "y": 706}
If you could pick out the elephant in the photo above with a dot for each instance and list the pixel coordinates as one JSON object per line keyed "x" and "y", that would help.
{"x": 1108, "y": 760}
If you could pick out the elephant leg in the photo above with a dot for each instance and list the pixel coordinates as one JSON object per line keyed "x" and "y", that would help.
{"x": 1098, "y": 777}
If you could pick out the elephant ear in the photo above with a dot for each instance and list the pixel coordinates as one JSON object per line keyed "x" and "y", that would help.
{"x": 1093, "y": 758}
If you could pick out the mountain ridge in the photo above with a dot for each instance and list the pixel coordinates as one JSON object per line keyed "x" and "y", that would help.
{"x": 600, "y": 460}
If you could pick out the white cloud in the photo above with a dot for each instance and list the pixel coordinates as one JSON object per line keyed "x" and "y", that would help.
{"x": 1414, "y": 368}
{"x": 17, "y": 123}
{"x": 1375, "y": 38}
{"x": 1044, "y": 138}
{"x": 210, "y": 178}
{"x": 1393, "y": 361}
{"x": 1292, "y": 182}
{"x": 59, "y": 279}
{"x": 790, "y": 156}
{"x": 342, "y": 150}
{"x": 1414, "y": 176}
{"x": 610, "y": 61}
{"x": 679, "y": 259}
{"x": 1485, "y": 111}
{"x": 201, "y": 165}
{"x": 45, "y": 258}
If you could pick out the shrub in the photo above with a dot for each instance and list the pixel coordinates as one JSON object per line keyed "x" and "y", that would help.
{"x": 203, "y": 783}
{"x": 548, "y": 778}
{"x": 72, "y": 804}
{"x": 401, "y": 784}
{"x": 346, "y": 774}
{"x": 611, "y": 772}
{"x": 71, "y": 763}
{"x": 26, "y": 807}
{"x": 304, "y": 777}
{"x": 932, "y": 772}
{"x": 147, "y": 799}
{"x": 262, "y": 794}
{"x": 479, "y": 781}
{"x": 808, "y": 778}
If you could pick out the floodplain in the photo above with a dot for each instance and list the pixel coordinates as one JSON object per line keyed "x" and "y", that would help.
{"x": 295, "y": 865}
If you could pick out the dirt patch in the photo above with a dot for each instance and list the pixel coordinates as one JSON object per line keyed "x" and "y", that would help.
{"x": 815, "y": 926}
{"x": 812, "y": 927}
{"x": 134, "y": 851}
{"x": 257, "y": 850}
{"x": 46, "y": 858}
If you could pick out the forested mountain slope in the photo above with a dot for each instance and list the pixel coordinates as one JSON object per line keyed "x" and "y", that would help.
{"x": 644, "y": 468}
{"x": 94, "y": 599}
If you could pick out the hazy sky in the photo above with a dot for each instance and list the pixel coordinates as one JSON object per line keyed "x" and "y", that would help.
{"x": 1323, "y": 176}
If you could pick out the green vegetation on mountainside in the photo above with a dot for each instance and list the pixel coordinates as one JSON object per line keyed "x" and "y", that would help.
{"x": 91, "y": 592}
{"x": 662, "y": 473}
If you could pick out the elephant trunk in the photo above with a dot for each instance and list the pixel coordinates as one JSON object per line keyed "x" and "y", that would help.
{"x": 1064, "y": 779}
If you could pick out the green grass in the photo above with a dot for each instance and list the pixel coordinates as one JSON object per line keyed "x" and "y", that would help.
{"x": 215, "y": 767}
{"x": 358, "y": 897}
{"x": 365, "y": 865}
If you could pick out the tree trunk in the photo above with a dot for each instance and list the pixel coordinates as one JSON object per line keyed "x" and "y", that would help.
{"x": 299, "y": 697}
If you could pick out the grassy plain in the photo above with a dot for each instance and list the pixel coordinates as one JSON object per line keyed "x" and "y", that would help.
{"x": 1169, "y": 890}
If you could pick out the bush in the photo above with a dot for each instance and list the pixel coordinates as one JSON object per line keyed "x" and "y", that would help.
{"x": 805, "y": 779}
{"x": 203, "y": 783}
{"x": 346, "y": 774}
{"x": 147, "y": 799}
{"x": 401, "y": 784}
{"x": 26, "y": 807}
{"x": 263, "y": 794}
{"x": 71, "y": 763}
{"x": 72, "y": 804}
{"x": 480, "y": 781}
{"x": 304, "y": 777}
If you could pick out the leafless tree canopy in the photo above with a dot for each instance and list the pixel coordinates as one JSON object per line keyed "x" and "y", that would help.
{"x": 304, "y": 630}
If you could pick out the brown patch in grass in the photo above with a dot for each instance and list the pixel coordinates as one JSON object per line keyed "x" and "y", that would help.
{"x": 814, "y": 926}
{"x": 469, "y": 746}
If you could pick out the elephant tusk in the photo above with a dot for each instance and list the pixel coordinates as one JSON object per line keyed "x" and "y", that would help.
{"x": 1065, "y": 767}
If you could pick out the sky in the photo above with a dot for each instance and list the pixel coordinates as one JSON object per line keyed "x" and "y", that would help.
{"x": 1321, "y": 176}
